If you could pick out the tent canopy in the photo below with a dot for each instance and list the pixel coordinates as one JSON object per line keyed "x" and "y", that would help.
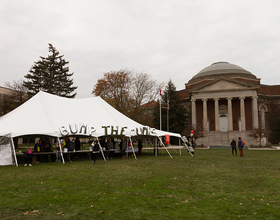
{"x": 51, "y": 115}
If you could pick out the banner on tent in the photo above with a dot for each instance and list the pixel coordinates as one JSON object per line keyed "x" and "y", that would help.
{"x": 107, "y": 130}
{"x": 121, "y": 131}
{"x": 77, "y": 129}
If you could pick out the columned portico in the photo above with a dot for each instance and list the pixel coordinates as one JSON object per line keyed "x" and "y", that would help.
{"x": 242, "y": 113}
{"x": 217, "y": 127}
{"x": 193, "y": 113}
{"x": 255, "y": 112}
{"x": 225, "y": 111}
{"x": 204, "y": 114}
{"x": 223, "y": 99}
{"x": 230, "y": 126}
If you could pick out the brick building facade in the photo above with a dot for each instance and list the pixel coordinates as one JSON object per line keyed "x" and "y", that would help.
{"x": 227, "y": 101}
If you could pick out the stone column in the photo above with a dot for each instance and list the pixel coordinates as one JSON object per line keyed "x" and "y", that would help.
{"x": 193, "y": 113}
{"x": 230, "y": 125}
{"x": 242, "y": 113}
{"x": 217, "y": 122}
{"x": 204, "y": 114}
{"x": 255, "y": 112}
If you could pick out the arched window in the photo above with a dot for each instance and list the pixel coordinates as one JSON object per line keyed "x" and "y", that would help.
{"x": 262, "y": 118}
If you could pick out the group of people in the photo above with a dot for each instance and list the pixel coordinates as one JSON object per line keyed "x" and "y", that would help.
{"x": 240, "y": 146}
{"x": 75, "y": 145}
{"x": 40, "y": 146}
{"x": 109, "y": 147}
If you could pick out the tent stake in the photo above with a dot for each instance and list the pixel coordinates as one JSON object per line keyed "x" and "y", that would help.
{"x": 101, "y": 149}
{"x": 132, "y": 148}
{"x": 164, "y": 146}
{"x": 60, "y": 149}
{"x": 14, "y": 150}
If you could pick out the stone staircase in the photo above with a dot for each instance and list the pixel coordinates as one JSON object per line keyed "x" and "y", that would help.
{"x": 224, "y": 138}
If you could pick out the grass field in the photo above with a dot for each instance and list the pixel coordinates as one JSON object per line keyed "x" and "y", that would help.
{"x": 211, "y": 185}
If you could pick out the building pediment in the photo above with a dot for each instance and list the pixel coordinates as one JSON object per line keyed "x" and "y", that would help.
{"x": 224, "y": 84}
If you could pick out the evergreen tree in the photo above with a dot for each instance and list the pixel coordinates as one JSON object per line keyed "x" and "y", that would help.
{"x": 50, "y": 74}
{"x": 178, "y": 115}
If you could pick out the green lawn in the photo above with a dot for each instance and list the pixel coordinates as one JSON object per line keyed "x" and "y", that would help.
{"x": 211, "y": 185}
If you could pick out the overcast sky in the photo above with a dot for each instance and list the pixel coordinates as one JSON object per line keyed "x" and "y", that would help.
{"x": 167, "y": 39}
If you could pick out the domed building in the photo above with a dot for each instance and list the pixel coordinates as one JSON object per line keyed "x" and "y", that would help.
{"x": 226, "y": 101}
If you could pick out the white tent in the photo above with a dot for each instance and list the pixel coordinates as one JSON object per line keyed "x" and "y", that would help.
{"x": 7, "y": 151}
{"x": 51, "y": 115}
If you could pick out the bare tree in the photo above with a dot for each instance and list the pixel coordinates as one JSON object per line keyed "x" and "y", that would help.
{"x": 14, "y": 96}
{"x": 18, "y": 91}
{"x": 144, "y": 90}
{"x": 259, "y": 133}
{"x": 126, "y": 91}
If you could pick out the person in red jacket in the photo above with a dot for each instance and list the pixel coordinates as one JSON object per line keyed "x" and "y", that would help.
{"x": 240, "y": 147}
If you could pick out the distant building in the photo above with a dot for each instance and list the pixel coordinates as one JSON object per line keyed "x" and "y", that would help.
{"x": 227, "y": 101}
{"x": 147, "y": 110}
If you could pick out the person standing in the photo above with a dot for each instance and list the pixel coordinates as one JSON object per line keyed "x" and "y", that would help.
{"x": 71, "y": 147}
{"x": 38, "y": 149}
{"x": 110, "y": 147}
{"x": 240, "y": 146}
{"x": 139, "y": 147}
{"x": 95, "y": 151}
{"x": 124, "y": 148}
{"x": 77, "y": 146}
{"x": 233, "y": 147}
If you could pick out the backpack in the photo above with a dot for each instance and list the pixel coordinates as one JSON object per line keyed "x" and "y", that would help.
{"x": 242, "y": 143}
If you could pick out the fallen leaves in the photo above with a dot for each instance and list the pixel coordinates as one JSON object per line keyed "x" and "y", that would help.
{"x": 28, "y": 212}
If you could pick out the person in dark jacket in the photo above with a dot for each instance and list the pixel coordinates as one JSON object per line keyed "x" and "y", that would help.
{"x": 139, "y": 147}
{"x": 38, "y": 149}
{"x": 124, "y": 148}
{"x": 28, "y": 156}
{"x": 110, "y": 147}
{"x": 233, "y": 147}
{"x": 77, "y": 144}
{"x": 95, "y": 151}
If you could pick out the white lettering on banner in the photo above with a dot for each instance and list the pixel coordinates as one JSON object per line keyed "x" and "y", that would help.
{"x": 122, "y": 131}
{"x": 63, "y": 130}
{"x": 84, "y": 129}
{"x": 92, "y": 130}
{"x": 77, "y": 129}
{"x": 83, "y": 126}
{"x": 73, "y": 128}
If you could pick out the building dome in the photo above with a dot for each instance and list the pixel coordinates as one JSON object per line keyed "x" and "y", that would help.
{"x": 220, "y": 69}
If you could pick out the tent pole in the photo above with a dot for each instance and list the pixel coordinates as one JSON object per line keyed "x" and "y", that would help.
{"x": 132, "y": 148}
{"x": 174, "y": 149}
{"x": 180, "y": 146}
{"x": 186, "y": 146}
{"x": 101, "y": 149}
{"x": 164, "y": 146}
{"x": 146, "y": 145}
{"x": 14, "y": 150}
{"x": 156, "y": 148}
{"x": 60, "y": 149}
